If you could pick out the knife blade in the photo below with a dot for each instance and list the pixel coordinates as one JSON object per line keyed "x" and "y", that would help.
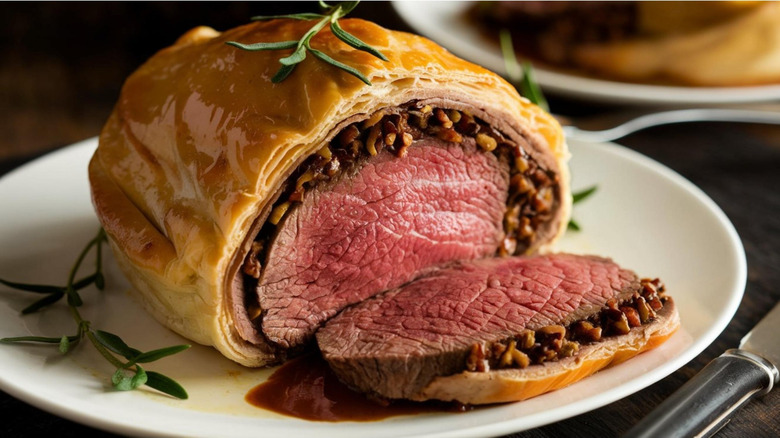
{"x": 704, "y": 404}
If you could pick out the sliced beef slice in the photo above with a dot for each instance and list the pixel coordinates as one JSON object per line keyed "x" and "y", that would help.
{"x": 377, "y": 227}
{"x": 393, "y": 345}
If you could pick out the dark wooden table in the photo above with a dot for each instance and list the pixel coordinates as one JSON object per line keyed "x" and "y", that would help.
{"x": 63, "y": 65}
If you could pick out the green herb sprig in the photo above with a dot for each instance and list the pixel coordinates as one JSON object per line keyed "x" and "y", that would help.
{"x": 579, "y": 197}
{"x": 331, "y": 16}
{"x": 522, "y": 76}
{"x": 129, "y": 373}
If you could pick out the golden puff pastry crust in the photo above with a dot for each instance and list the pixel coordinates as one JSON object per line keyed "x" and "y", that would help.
{"x": 200, "y": 142}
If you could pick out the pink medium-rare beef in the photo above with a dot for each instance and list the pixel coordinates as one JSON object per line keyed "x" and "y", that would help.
{"x": 378, "y": 227}
{"x": 394, "y": 344}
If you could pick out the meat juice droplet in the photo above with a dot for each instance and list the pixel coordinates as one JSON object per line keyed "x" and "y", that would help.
{"x": 306, "y": 388}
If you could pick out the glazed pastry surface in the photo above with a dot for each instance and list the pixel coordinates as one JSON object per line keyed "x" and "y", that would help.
{"x": 200, "y": 142}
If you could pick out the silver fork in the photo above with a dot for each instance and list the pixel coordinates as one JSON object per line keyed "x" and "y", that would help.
{"x": 673, "y": 116}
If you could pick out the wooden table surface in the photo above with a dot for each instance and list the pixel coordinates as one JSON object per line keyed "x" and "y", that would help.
{"x": 62, "y": 66}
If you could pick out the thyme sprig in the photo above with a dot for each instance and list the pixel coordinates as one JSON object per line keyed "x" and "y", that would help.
{"x": 330, "y": 16}
{"x": 129, "y": 373}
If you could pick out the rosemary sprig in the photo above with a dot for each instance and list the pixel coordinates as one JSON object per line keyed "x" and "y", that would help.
{"x": 331, "y": 16}
{"x": 583, "y": 194}
{"x": 579, "y": 197}
{"x": 129, "y": 374}
{"x": 521, "y": 76}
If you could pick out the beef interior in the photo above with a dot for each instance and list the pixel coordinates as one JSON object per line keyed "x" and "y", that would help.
{"x": 392, "y": 196}
{"x": 478, "y": 316}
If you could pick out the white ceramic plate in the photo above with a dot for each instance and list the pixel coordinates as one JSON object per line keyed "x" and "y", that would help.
{"x": 643, "y": 215}
{"x": 443, "y": 22}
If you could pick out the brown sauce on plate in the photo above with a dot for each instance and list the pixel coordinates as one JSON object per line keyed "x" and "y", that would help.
{"x": 306, "y": 388}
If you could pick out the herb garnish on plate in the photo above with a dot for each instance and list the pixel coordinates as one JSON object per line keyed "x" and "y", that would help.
{"x": 129, "y": 373}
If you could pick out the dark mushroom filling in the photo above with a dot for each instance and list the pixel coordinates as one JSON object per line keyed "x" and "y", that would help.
{"x": 533, "y": 195}
{"x": 555, "y": 342}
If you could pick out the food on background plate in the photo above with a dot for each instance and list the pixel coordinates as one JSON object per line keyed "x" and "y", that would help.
{"x": 727, "y": 43}
{"x": 248, "y": 211}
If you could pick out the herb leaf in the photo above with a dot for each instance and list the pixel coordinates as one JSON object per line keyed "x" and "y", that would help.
{"x": 43, "y": 302}
{"x": 301, "y": 16}
{"x": 354, "y": 41}
{"x": 331, "y": 61}
{"x": 579, "y": 197}
{"x": 122, "y": 380}
{"x": 165, "y": 384}
{"x": 37, "y": 288}
{"x": 281, "y": 45}
{"x": 139, "y": 378}
{"x": 153, "y": 355}
{"x": 297, "y": 56}
{"x": 513, "y": 69}
{"x": 115, "y": 344}
{"x": 86, "y": 281}
{"x": 521, "y": 76}
{"x": 36, "y": 339}
{"x": 332, "y": 15}
{"x": 64, "y": 344}
{"x": 583, "y": 194}
{"x": 530, "y": 88}
{"x": 74, "y": 299}
{"x": 282, "y": 73}
{"x": 100, "y": 281}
